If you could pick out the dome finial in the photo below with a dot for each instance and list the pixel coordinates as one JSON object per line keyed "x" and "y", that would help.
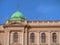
{"x": 17, "y": 15}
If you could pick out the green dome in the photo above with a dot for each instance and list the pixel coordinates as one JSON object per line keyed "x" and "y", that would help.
{"x": 17, "y": 16}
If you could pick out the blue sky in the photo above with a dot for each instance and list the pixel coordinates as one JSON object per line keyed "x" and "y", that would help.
{"x": 32, "y": 9}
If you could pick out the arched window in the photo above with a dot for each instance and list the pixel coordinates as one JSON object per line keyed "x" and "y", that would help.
{"x": 43, "y": 37}
{"x": 54, "y": 37}
{"x": 32, "y": 37}
{"x": 15, "y": 37}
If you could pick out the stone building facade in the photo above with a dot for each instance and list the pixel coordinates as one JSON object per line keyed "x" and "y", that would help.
{"x": 18, "y": 31}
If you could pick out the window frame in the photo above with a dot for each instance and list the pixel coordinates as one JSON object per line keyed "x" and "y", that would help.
{"x": 15, "y": 37}
{"x": 54, "y": 37}
{"x": 43, "y": 37}
{"x": 32, "y": 37}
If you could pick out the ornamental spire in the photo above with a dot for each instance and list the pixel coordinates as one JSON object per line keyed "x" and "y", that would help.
{"x": 18, "y": 5}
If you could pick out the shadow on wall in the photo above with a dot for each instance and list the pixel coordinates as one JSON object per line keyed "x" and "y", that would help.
{"x": 0, "y": 44}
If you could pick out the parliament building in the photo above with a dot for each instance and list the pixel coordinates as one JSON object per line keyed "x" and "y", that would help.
{"x": 19, "y": 31}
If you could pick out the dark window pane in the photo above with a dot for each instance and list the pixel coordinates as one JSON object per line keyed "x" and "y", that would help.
{"x": 54, "y": 37}
{"x": 15, "y": 37}
{"x": 32, "y": 37}
{"x": 43, "y": 37}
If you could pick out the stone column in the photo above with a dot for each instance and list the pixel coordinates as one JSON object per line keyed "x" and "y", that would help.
{"x": 22, "y": 38}
{"x": 11, "y": 38}
{"x": 59, "y": 38}
{"x": 7, "y": 37}
{"x": 38, "y": 38}
{"x": 26, "y": 37}
{"x": 49, "y": 38}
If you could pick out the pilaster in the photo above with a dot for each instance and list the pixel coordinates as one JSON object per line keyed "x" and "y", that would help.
{"x": 22, "y": 38}
{"x": 49, "y": 38}
{"x": 26, "y": 37}
{"x": 59, "y": 38}
{"x": 38, "y": 36}
{"x": 7, "y": 37}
